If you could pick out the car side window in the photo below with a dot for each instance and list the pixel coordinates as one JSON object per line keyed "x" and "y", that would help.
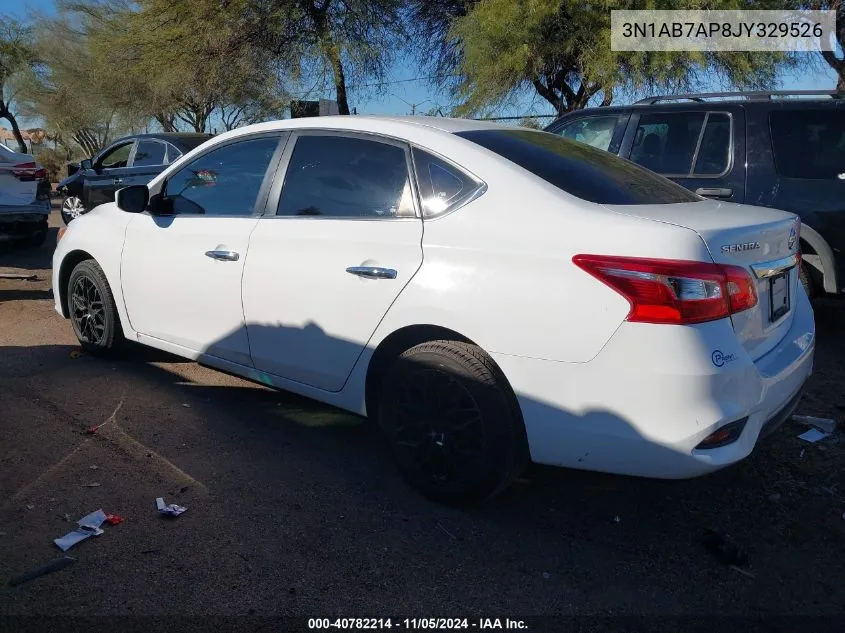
{"x": 149, "y": 153}
{"x": 809, "y": 144}
{"x": 596, "y": 131}
{"x": 116, "y": 158}
{"x": 224, "y": 182}
{"x": 665, "y": 142}
{"x": 346, "y": 177}
{"x": 714, "y": 152}
{"x": 443, "y": 186}
{"x": 172, "y": 154}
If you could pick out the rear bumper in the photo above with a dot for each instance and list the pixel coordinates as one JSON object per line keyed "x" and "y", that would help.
{"x": 644, "y": 404}
{"x": 22, "y": 221}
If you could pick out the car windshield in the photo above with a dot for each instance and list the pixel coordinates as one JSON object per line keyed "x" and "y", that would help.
{"x": 583, "y": 171}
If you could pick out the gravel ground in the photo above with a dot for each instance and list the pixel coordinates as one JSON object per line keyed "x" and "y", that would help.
{"x": 294, "y": 508}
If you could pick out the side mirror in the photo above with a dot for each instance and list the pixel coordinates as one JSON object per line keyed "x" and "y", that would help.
{"x": 132, "y": 199}
{"x": 86, "y": 164}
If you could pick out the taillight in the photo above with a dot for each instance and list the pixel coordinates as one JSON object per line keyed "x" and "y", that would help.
{"x": 27, "y": 172}
{"x": 671, "y": 290}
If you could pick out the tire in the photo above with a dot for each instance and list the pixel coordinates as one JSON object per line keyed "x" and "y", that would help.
{"x": 35, "y": 240}
{"x": 804, "y": 276}
{"x": 441, "y": 396}
{"x": 71, "y": 209}
{"x": 93, "y": 313}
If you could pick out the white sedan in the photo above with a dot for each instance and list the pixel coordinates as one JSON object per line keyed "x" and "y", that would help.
{"x": 487, "y": 295}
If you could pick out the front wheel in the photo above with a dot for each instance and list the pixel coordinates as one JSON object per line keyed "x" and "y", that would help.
{"x": 452, "y": 422}
{"x": 93, "y": 313}
{"x": 72, "y": 208}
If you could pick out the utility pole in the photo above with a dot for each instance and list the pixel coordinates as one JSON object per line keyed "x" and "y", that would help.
{"x": 413, "y": 106}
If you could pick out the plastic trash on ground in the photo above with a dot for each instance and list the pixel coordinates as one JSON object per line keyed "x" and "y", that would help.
{"x": 813, "y": 435}
{"x": 170, "y": 509}
{"x": 826, "y": 425}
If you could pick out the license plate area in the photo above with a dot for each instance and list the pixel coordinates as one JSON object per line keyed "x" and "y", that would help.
{"x": 778, "y": 296}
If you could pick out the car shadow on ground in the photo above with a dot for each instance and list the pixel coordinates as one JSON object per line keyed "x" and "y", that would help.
{"x": 40, "y": 258}
{"x": 300, "y": 480}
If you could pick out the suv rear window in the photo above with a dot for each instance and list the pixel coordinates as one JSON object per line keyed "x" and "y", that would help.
{"x": 583, "y": 171}
{"x": 809, "y": 144}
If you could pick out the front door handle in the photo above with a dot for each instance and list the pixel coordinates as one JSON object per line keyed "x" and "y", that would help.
{"x": 223, "y": 256}
{"x": 715, "y": 192}
{"x": 372, "y": 272}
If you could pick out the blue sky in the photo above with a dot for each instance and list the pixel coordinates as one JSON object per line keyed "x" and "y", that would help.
{"x": 401, "y": 94}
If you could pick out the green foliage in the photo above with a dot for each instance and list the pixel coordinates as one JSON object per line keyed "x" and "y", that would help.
{"x": 54, "y": 161}
{"x": 16, "y": 57}
{"x": 562, "y": 49}
{"x": 72, "y": 90}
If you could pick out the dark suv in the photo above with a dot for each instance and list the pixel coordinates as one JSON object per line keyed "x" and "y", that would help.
{"x": 773, "y": 149}
{"x": 131, "y": 160}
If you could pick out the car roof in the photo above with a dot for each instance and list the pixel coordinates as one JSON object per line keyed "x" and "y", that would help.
{"x": 366, "y": 123}
{"x": 174, "y": 137}
{"x": 714, "y": 104}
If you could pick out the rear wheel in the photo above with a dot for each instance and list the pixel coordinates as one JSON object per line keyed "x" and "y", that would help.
{"x": 93, "y": 313}
{"x": 452, "y": 422}
{"x": 806, "y": 280}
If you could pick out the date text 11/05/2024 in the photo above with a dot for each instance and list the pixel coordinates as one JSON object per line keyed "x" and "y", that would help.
{"x": 416, "y": 623}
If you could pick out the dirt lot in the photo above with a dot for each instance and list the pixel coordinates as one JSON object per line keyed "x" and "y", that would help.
{"x": 294, "y": 508}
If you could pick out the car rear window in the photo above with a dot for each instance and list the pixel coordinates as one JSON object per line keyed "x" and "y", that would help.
{"x": 809, "y": 144}
{"x": 583, "y": 171}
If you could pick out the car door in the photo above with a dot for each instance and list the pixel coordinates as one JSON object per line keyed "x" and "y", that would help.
{"x": 106, "y": 174}
{"x": 341, "y": 238}
{"x": 702, "y": 150}
{"x": 181, "y": 272}
{"x": 148, "y": 159}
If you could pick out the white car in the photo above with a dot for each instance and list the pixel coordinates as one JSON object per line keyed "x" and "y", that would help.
{"x": 24, "y": 199}
{"x": 488, "y": 295}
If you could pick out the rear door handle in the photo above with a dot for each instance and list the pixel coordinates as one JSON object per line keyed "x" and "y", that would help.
{"x": 372, "y": 272}
{"x": 118, "y": 181}
{"x": 223, "y": 256}
{"x": 715, "y": 192}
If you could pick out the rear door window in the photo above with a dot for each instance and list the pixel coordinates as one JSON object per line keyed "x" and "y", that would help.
{"x": 714, "y": 151}
{"x": 665, "y": 142}
{"x": 581, "y": 170}
{"x": 149, "y": 153}
{"x": 809, "y": 144}
{"x": 346, "y": 177}
{"x": 596, "y": 131}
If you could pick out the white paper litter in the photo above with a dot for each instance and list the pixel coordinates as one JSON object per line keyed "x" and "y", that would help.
{"x": 89, "y": 525}
{"x": 170, "y": 509}
{"x": 813, "y": 435}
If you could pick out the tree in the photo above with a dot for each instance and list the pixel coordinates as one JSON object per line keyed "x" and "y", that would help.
{"x": 186, "y": 63}
{"x": 16, "y": 56}
{"x": 71, "y": 89}
{"x": 561, "y": 50}
{"x": 342, "y": 41}
{"x": 837, "y": 62}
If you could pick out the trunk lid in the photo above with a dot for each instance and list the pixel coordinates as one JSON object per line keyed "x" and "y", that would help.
{"x": 763, "y": 241}
{"x": 14, "y": 191}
